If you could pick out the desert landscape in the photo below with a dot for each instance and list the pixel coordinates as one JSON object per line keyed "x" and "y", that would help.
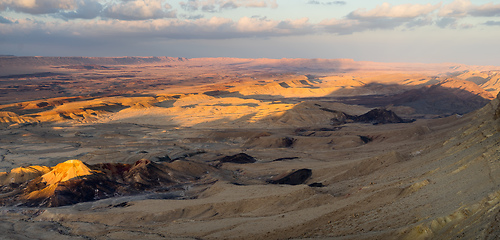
{"x": 235, "y": 148}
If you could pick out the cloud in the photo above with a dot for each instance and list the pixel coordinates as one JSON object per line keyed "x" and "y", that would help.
{"x": 447, "y": 22}
{"x": 336, "y": 3}
{"x": 190, "y": 6}
{"x": 302, "y": 23}
{"x": 457, "y": 8}
{"x": 327, "y": 3}
{"x": 466, "y": 26}
{"x": 386, "y": 10}
{"x": 492, "y": 23}
{"x": 463, "y": 8}
{"x": 138, "y": 10}
{"x": 385, "y": 16}
{"x": 340, "y": 26}
{"x": 219, "y": 5}
{"x": 157, "y": 19}
{"x": 229, "y": 5}
{"x": 349, "y": 26}
{"x": 37, "y": 6}
{"x": 192, "y": 17}
{"x": 420, "y": 22}
{"x": 486, "y": 10}
{"x": 246, "y": 24}
{"x": 212, "y": 28}
{"x": 90, "y": 9}
{"x": 86, "y": 9}
{"x": 5, "y": 20}
{"x": 209, "y": 8}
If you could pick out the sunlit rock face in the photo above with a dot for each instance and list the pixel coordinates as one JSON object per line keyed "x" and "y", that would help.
{"x": 73, "y": 181}
{"x": 22, "y": 174}
{"x": 65, "y": 171}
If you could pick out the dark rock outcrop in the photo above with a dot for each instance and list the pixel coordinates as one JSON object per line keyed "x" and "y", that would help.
{"x": 294, "y": 178}
{"x": 374, "y": 116}
{"x": 240, "y": 158}
{"x": 84, "y": 189}
{"x": 316, "y": 184}
{"x": 287, "y": 142}
{"x": 379, "y": 116}
{"x": 365, "y": 139}
{"x": 284, "y": 158}
{"x": 165, "y": 158}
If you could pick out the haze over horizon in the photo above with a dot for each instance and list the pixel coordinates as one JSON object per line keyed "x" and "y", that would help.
{"x": 458, "y": 31}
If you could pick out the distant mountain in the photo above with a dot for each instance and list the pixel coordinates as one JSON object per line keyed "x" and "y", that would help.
{"x": 48, "y": 61}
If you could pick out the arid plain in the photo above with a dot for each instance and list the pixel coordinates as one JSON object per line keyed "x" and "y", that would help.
{"x": 222, "y": 148}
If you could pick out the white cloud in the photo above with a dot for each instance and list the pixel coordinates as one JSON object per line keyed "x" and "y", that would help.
{"x": 327, "y": 3}
{"x": 385, "y": 16}
{"x": 457, "y": 8}
{"x": 340, "y": 26}
{"x": 219, "y": 5}
{"x": 349, "y": 26}
{"x": 294, "y": 24}
{"x": 386, "y": 10}
{"x": 247, "y": 24}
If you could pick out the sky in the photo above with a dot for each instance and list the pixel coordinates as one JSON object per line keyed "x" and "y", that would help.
{"x": 428, "y": 31}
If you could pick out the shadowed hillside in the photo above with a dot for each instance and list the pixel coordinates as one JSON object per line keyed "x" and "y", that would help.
{"x": 444, "y": 98}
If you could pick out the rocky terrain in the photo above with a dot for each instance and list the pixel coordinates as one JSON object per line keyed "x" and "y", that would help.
{"x": 155, "y": 148}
